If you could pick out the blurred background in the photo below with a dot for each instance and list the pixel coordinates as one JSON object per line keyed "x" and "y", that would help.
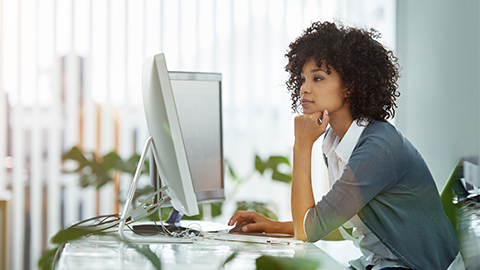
{"x": 70, "y": 76}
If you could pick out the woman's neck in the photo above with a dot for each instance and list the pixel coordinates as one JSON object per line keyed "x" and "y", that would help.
{"x": 341, "y": 123}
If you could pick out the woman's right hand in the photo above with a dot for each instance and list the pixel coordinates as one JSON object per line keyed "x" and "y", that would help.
{"x": 259, "y": 223}
{"x": 309, "y": 127}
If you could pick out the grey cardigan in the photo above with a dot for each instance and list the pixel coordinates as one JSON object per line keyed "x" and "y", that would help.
{"x": 388, "y": 184}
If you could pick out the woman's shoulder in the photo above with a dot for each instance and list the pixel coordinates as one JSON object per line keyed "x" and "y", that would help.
{"x": 384, "y": 137}
{"x": 380, "y": 136}
{"x": 380, "y": 126}
{"x": 382, "y": 132}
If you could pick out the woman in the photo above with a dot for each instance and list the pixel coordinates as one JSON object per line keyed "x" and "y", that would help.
{"x": 382, "y": 195}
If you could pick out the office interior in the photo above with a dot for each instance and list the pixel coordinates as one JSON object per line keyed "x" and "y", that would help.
{"x": 70, "y": 76}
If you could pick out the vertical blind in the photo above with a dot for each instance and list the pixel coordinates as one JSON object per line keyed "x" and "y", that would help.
{"x": 70, "y": 75}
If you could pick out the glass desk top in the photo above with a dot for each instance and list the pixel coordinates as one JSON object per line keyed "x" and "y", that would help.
{"x": 109, "y": 251}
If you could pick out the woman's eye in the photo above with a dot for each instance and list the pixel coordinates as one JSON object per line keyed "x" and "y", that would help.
{"x": 317, "y": 79}
{"x": 302, "y": 80}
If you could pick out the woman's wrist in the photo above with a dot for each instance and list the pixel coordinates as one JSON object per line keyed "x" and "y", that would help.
{"x": 285, "y": 227}
{"x": 301, "y": 147}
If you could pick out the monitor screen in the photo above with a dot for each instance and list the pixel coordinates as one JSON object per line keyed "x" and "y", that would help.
{"x": 198, "y": 98}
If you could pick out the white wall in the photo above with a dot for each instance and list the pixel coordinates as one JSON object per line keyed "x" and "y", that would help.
{"x": 438, "y": 47}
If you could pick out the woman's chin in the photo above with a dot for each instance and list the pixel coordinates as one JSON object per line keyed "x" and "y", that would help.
{"x": 311, "y": 111}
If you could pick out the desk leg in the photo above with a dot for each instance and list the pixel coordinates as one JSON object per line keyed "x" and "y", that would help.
{"x": 4, "y": 241}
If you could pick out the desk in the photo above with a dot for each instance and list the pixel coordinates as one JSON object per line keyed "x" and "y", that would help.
{"x": 110, "y": 252}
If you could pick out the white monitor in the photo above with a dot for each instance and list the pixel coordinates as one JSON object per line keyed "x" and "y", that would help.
{"x": 183, "y": 114}
{"x": 168, "y": 145}
{"x": 198, "y": 98}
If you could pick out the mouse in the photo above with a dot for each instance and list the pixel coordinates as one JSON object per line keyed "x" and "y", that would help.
{"x": 238, "y": 227}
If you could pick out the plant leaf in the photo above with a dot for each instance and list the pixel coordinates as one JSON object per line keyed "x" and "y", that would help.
{"x": 243, "y": 205}
{"x": 231, "y": 171}
{"x": 257, "y": 207}
{"x": 230, "y": 258}
{"x": 111, "y": 161}
{"x": 272, "y": 163}
{"x": 260, "y": 166}
{"x": 76, "y": 155}
{"x": 285, "y": 263}
{"x": 263, "y": 210}
{"x": 130, "y": 166}
{"x": 216, "y": 209}
{"x": 68, "y": 234}
{"x": 278, "y": 176}
{"x": 150, "y": 255}
{"x": 45, "y": 262}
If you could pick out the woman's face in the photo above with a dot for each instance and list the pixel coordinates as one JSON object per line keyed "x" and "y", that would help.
{"x": 322, "y": 91}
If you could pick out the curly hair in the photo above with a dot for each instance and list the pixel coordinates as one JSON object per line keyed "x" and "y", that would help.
{"x": 368, "y": 71}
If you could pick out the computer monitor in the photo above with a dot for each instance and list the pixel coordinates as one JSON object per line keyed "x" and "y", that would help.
{"x": 166, "y": 139}
{"x": 183, "y": 114}
{"x": 198, "y": 99}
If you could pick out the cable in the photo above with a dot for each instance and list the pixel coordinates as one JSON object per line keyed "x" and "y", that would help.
{"x": 100, "y": 223}
{"x": 183, "y": 234}
{"x": 103, "y": 224}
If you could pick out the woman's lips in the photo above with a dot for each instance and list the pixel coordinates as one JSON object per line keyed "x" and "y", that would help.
{"x": 306, "y": 102}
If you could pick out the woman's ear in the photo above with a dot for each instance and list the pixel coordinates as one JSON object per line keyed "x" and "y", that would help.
{"x": 347, "y": 91}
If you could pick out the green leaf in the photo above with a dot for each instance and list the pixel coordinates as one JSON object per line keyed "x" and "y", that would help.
{"x": 166, "y": 212}
{"x": 66, "y": 235}
{"x": 76, "y": 155}
{"x": 230, "y": 258}
{"x": 111, "y": 161}
{"x": 278, "y": 176}
{"x": 130, "y": 166}
{"x": 86, "y": 180}
{"x": 243, "y": 205}
{"x": 231, "y": 171}
{"x": 45, "y": 262}
{"x": 263, "y": 210}
{"x": 285, "y": 263}
{"x": 145, "y": 250}
{"x": 141, "y": 191}
{"x": 216, "y": 209}
{"x": 272, "y": 164}
{"x": 257, "y": 207}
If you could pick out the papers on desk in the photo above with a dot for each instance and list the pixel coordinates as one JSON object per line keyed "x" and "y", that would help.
{"x": 252, "y": 239}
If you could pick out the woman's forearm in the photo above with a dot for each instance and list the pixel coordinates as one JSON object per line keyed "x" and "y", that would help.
{"x": 285, "y": 227}
{"x": 308, "y": 128}
{"x": 302, "y": 192}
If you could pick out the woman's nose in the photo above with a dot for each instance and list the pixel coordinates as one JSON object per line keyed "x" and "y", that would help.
{"x": 305, "y": 88}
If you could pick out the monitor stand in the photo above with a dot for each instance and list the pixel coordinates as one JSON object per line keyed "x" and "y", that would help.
{"x": 175, "y": 217}
{"x": 128, "y": 202}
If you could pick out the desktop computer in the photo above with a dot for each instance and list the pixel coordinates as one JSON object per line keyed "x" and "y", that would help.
{"x": 183, "y": 113}
{"x": 198, "y": 99}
